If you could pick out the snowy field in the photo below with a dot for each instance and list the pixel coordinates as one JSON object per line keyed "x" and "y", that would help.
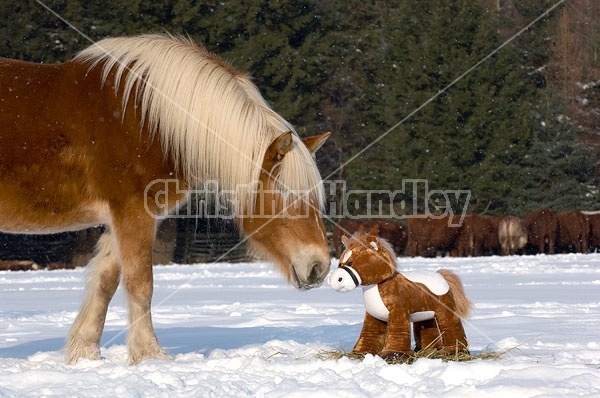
{"x": 237, "y": 330}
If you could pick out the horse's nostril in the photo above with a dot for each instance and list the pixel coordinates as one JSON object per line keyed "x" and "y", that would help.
{"x": 315, "y": 273}
{"x": 340, "y": 279}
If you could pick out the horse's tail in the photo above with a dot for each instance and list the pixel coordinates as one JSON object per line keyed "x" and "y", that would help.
{"x": 462, "y": 303}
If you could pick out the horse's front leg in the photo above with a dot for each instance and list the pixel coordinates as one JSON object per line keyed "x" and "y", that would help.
{"x": 372, "y": 336}
{"x": 103, "y": 278}
{"x": 135, "y": 230}
{"x": 397, "y": 344}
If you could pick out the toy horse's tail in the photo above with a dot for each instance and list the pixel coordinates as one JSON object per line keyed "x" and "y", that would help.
{"x": 463, "y": 304}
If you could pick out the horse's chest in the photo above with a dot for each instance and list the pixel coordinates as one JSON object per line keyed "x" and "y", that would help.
{"x": 374, "y": 304}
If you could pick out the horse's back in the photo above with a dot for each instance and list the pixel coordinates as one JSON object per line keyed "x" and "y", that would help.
{"x": 41, "y": 164}
{"x": 66, "y": 147}
{"x": 38, "y": 100}
{"x": 24, "y": 88}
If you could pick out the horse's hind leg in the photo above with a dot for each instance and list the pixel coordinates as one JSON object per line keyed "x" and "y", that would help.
{"x": 134, "y": 230}
{"x": 103, "y": 279}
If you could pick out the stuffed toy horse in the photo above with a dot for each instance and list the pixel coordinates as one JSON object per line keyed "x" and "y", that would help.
{"x": 434, "y": 302}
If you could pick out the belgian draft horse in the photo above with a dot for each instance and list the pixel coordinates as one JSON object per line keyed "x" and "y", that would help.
{"x": 85, "y": 142}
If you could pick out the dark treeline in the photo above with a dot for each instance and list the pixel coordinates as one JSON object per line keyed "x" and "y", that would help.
{"x": 364, "y": 69}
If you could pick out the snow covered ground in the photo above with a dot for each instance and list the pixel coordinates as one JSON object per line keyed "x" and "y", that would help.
{"x": 238, "y": 330}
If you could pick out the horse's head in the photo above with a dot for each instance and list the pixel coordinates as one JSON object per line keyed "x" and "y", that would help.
{"x": 287, "y": 227}
{"x": 367, "y": 260}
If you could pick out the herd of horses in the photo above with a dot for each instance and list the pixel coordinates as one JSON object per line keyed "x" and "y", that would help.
{"x": 541, "y": 231}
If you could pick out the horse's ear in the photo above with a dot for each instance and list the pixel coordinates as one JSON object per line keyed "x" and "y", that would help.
{"x": 277, "y": 150}
{"x": 345, "y": 240}
{"x": 315, "y": 142}
{"x": 372, "y": 241}
{"x": 281, "y": 145}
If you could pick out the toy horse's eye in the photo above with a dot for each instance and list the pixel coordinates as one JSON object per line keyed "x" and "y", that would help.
{"x": 349, "y": 264}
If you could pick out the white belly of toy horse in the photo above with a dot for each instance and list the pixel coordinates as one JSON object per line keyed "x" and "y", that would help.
{"x": 432, "y": 280}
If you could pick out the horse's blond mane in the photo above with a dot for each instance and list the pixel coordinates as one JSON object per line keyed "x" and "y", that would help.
{"x": 210, "y": 117}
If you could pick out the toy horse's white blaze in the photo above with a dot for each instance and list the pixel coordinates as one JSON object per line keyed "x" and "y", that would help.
{"x": 346, "y": 257}
{"x": 344, "y": 278}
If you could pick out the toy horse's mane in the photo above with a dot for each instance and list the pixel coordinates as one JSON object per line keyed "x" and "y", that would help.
{"x": 359, "y": 239}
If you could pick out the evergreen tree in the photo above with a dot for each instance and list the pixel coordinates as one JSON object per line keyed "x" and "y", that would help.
{"x": 480, "y": 134}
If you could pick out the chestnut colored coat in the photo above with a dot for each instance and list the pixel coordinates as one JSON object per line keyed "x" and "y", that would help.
{"x": 573, "y": 231}
{"x": 594, "y": 222}
{"x": 478, "y": 235}
{"x": 542, "y": 231}
{"x": 426, "y": 236}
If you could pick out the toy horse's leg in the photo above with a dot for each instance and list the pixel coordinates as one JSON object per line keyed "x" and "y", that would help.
{"x": 397, "y": 344}
{"x": 372, "y": 336}
{"x": 103, "y": 279}
{"x": 454, "y": 338}
{"x": 427, "y": 335}
{"x": 135, "y": 230}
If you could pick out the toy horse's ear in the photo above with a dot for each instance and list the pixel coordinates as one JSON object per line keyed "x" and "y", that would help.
{"x": 372, "y": 240}
{"x": 345, "y": 240}
{"x": 375, "y": 230}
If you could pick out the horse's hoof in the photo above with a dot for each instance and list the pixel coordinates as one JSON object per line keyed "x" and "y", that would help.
{"x": 159, "y": 354}
{"x": 72, "y": 355}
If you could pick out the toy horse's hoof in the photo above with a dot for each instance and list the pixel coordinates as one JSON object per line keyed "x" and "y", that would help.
{"x": 394, "y": 356}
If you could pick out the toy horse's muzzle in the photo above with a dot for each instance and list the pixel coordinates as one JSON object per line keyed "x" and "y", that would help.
{"x": 343, "y": 279}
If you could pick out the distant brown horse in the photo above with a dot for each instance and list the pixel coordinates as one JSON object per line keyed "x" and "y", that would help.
{"x": 98, "y": 139}
{"x": 478, "y": 235}
{"x": 573, "y": 231}
{"x": 512, "y": 235}
{"x": 542, "y": 231}
{"x": 593, "y": 219}
{"x": 434, "y": 302}
{"x": 427, "y": 236}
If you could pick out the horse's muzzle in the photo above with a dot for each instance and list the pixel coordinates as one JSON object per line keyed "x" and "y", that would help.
{"x": 313, "y": 276}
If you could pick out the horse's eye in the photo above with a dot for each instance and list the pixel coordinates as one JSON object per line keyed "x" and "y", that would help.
{"x": 349, "y": 264}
